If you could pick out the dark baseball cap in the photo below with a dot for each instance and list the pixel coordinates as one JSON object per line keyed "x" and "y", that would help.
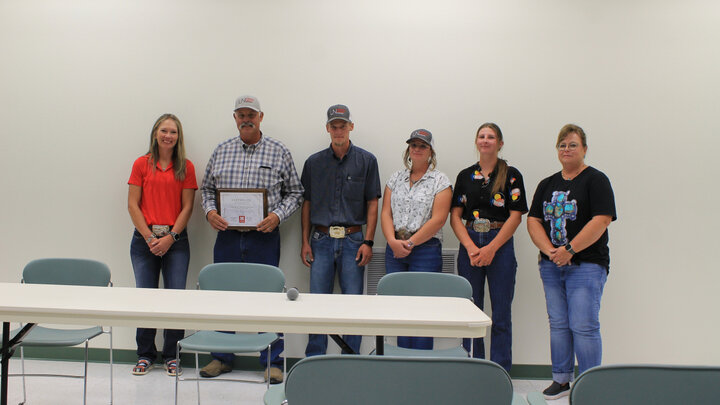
{"x": 338, "y": 112}
{"x": 423, "y": 135}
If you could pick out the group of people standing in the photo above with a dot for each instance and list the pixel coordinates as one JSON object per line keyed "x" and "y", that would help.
{"x": 339, "y": 191}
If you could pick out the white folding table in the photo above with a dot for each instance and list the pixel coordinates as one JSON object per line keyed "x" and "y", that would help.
{"x": 333, "y": 314}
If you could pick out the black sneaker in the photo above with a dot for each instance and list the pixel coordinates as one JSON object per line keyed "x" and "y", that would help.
{"x": 556, "y": 390}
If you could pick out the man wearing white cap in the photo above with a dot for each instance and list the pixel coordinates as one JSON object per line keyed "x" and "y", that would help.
{"x": 250, "y": 161}
{"x": 342, "y": 187}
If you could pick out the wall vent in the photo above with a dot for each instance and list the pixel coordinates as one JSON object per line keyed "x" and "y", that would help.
{"x": 376, "y": 268}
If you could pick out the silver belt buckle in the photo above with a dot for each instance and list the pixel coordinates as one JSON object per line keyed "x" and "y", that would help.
{"x": 337, "y": 232}
{"x": 160, "y": 230}
{"x": 481, "y": 225}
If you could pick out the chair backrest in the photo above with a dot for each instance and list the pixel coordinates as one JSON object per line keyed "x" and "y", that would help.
{"x": 421, "y": 283}
{"x": 241, "y": 277}
{"x": 378, "y": 380}
{"x": 647, "y": 384}
{"x": 67, "y": 271}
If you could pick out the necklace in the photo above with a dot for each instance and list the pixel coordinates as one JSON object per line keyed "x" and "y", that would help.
{"x": 412, "y": 182}
{"x": 569, "y": 177}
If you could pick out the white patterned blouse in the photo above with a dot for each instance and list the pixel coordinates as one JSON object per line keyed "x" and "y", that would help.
{"x": 412, "y": 206}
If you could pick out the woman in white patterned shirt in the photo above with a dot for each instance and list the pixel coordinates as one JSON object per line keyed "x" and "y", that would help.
{"x": 416, "y": 205}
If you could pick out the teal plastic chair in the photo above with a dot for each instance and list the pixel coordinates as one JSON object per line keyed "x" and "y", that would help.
{"x": 394, "y": 380}
{"x": 83, "y": 272}
{"x": 232, "y": 277}
{"x": 647, "y": 384}
{"x": 428, "y": 285}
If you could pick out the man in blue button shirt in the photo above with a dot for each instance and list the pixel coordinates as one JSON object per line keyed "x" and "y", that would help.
{"x": 342, "y": 187}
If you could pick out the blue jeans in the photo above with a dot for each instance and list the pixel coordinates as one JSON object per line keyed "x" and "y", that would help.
{"x": 334, "y": 256}
{"x": 500, "y": 275}
{"x": 249, "y": 247}
{"x": 424, "y": 257}
{"x": 572, "y": 295}
{"x": 147, "y": 267}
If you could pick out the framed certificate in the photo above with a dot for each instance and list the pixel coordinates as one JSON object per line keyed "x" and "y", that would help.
{"x": 242, "y": 208}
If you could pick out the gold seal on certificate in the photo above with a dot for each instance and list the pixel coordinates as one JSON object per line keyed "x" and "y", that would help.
{"x": 242, "y": 208}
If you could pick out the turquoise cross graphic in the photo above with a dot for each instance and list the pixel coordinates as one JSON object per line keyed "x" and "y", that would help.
{"x": 558, "y": 211}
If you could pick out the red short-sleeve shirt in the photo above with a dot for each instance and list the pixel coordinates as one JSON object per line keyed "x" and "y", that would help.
{"x": 161, "y": 199}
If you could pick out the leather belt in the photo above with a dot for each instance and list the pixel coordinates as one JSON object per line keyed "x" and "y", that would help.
{"x": 483, "y": 225}
{"x": 338, "y": 231}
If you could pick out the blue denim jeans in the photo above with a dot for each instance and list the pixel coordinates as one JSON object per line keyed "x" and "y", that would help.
{"x": 334, "y": 256}
{"x": 572, "y": 295}
{"x": 147, "y": 267}
{"x": 424, "y": 257}
{"x": 249, "y": 247}
{"x": 500, "y": 275}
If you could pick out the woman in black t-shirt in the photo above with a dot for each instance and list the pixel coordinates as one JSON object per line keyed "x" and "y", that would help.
{"x": 568, "y": 222}
{"x": 487, "y": 207}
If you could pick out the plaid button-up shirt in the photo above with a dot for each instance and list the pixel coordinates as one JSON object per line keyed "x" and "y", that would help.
{"x": 266, "y": 164}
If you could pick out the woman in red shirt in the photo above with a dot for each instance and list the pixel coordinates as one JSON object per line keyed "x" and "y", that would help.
{"x": 160, "y": 201}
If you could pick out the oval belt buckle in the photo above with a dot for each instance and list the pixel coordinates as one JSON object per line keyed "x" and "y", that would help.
{"x": 404, "y": 234}
{"x": 481, "y": 225}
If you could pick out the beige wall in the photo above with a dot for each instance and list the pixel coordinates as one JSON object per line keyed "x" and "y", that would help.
{"x": 81, "y": 83}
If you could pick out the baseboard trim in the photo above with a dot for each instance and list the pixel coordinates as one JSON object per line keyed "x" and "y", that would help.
{"x": 533, "y": 371}
{"x": 126, "y": 356}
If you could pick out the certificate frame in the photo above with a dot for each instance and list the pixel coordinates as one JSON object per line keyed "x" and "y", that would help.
{"x": 230, "y": 211}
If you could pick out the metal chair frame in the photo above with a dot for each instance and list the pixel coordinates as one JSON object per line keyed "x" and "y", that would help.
{"x": 83, "y": 376}
{"x": 67, "y": 280}
{"x": 224, "y": 287}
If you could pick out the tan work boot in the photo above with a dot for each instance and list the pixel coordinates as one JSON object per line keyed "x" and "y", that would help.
{"x": 276, "y": 375}
{"x": 214, "y": 369}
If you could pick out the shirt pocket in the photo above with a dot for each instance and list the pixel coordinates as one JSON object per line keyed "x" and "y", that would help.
{"x": 355, "y": 188}
{"x": 269, "y": 177}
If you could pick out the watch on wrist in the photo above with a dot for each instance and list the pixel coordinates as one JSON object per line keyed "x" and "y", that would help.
{"x": 175, "y": 236}
{"x": 570, "y": 249}
{"x": 368, "y": 242}
{"x": 150, "y": 238}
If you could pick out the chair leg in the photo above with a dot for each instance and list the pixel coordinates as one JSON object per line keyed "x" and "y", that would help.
{"x": 177, "y": 357}
{"x": 267, "y": 368}
{"x": 197, "y": 376}
{"x": 284, "y": 360}
{"x": 85, "y": 374}
{"x": 111, "y": 366}
{"x": 22, "y": 366}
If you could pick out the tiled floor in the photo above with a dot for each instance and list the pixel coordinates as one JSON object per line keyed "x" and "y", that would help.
{"x": 154, "y": 388}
